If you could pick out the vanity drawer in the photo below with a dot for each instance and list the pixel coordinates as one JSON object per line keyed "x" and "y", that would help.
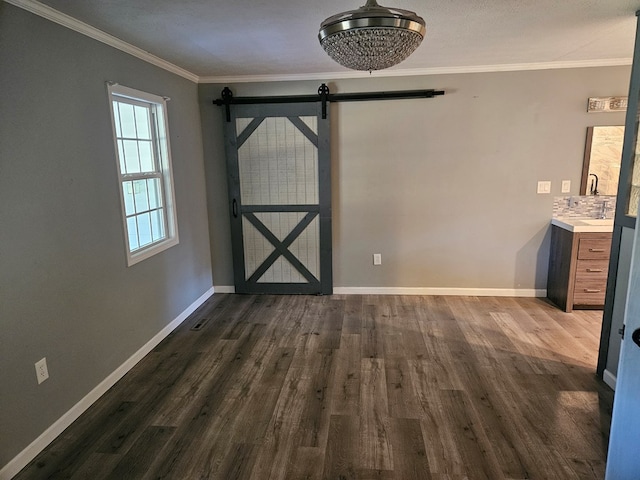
{"x": 589, "y": 292}
{"x": 591, "y": 280}
{"x": 594, "y": 248}
{"x": 592, "y": 270}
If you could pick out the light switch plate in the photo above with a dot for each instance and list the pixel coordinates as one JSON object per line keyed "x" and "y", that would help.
{"x": 566, "y": 186}
{"x": 377, "y": 259}
{"x": 544, "y": 186}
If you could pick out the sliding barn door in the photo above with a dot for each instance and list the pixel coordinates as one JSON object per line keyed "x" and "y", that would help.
{"x": 278, "y": 163}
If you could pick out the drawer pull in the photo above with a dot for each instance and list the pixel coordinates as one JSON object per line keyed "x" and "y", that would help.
{"x": 595, "y": 270}
{"x": 597, "y": 250}
{"x": 591, "y": 290}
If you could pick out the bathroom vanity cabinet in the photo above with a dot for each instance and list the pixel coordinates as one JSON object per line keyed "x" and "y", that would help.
{"x": 578, "y": 267}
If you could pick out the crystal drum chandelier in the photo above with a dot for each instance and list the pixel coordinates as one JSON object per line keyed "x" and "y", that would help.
{"x": 372, "y": 37}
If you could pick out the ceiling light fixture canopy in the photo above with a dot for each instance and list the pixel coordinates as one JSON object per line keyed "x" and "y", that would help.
{"x": 372, "y": 37}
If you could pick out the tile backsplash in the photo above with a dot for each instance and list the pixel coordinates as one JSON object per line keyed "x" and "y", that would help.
{"x": 584, "y": 206}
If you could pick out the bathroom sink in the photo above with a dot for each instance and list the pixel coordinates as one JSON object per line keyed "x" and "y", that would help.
{"x": 584, "y": 224}
{"x": 597, "y": 221}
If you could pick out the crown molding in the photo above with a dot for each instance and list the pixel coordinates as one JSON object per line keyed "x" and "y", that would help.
{"x": 326, "y": 76}
{"x": 67, "y": 21}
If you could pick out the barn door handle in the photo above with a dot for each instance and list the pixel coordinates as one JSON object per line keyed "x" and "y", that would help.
{"x": 234, "y": 208}
{"x": 636, "y": 337}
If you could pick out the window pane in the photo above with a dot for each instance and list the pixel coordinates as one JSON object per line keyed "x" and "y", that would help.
{"x": 132, "y": 231}
{"x": 131, "y": 156}
{"x": 127, "y": 122}
{"x": 157, "y": 224}
{"x": 146, "y": 157}
{"x": 160, "y": 122}
{"x": 123, "y": 167}
{"x": 144, "y": 229}
{"x": 142, "y": 122}
{"x": 162, "y": 138}
{"x": 116, "y": 119}
{"x": 140, "y": 195}
{"x": 155, "y": 197}
{"x": 127, "y": 193}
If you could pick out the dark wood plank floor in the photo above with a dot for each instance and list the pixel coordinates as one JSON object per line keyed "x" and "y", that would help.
{"x": 352, "y": 387}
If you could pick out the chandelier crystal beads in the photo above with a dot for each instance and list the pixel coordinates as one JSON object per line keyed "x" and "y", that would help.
{"x": 372, "y": 37}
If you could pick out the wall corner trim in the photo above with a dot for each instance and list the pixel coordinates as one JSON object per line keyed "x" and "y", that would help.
{"x": 30, "y": 452}
{"x": 71, "y": 23}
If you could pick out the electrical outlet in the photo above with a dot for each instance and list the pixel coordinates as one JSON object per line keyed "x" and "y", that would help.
{"x": 377, "y": 259}
{"x": 566, "y": 186}
{"x": 42, "y": 373}
{"x": 544, "y": 187}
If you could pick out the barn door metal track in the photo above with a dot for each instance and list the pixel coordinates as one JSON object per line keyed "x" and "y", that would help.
{"x": 323, "y": 96}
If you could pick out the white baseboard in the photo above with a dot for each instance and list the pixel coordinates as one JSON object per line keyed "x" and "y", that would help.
{"x": 610, "y": 379}
{"x": 463, "y": 292}
{"x": 224, "y": 289}
{"x": 23, "y": 458}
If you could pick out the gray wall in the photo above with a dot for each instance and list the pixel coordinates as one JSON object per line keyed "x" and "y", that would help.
{"x": 65, "y": 290}
{"x": 444, "y": 188}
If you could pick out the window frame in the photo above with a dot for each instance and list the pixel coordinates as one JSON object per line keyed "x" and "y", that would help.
{"x": 162, "y": 168}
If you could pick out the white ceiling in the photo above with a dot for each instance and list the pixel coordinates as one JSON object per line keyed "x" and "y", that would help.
{"x": 278, "y": 38}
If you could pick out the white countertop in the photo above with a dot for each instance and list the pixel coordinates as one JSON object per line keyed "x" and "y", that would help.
{"x": 595, "y": 225}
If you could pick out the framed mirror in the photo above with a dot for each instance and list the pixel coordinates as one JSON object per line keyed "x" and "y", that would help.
{"x": 602, "y": 156}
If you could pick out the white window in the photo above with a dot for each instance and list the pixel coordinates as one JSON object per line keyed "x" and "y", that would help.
{"x": 144, "y": 165}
